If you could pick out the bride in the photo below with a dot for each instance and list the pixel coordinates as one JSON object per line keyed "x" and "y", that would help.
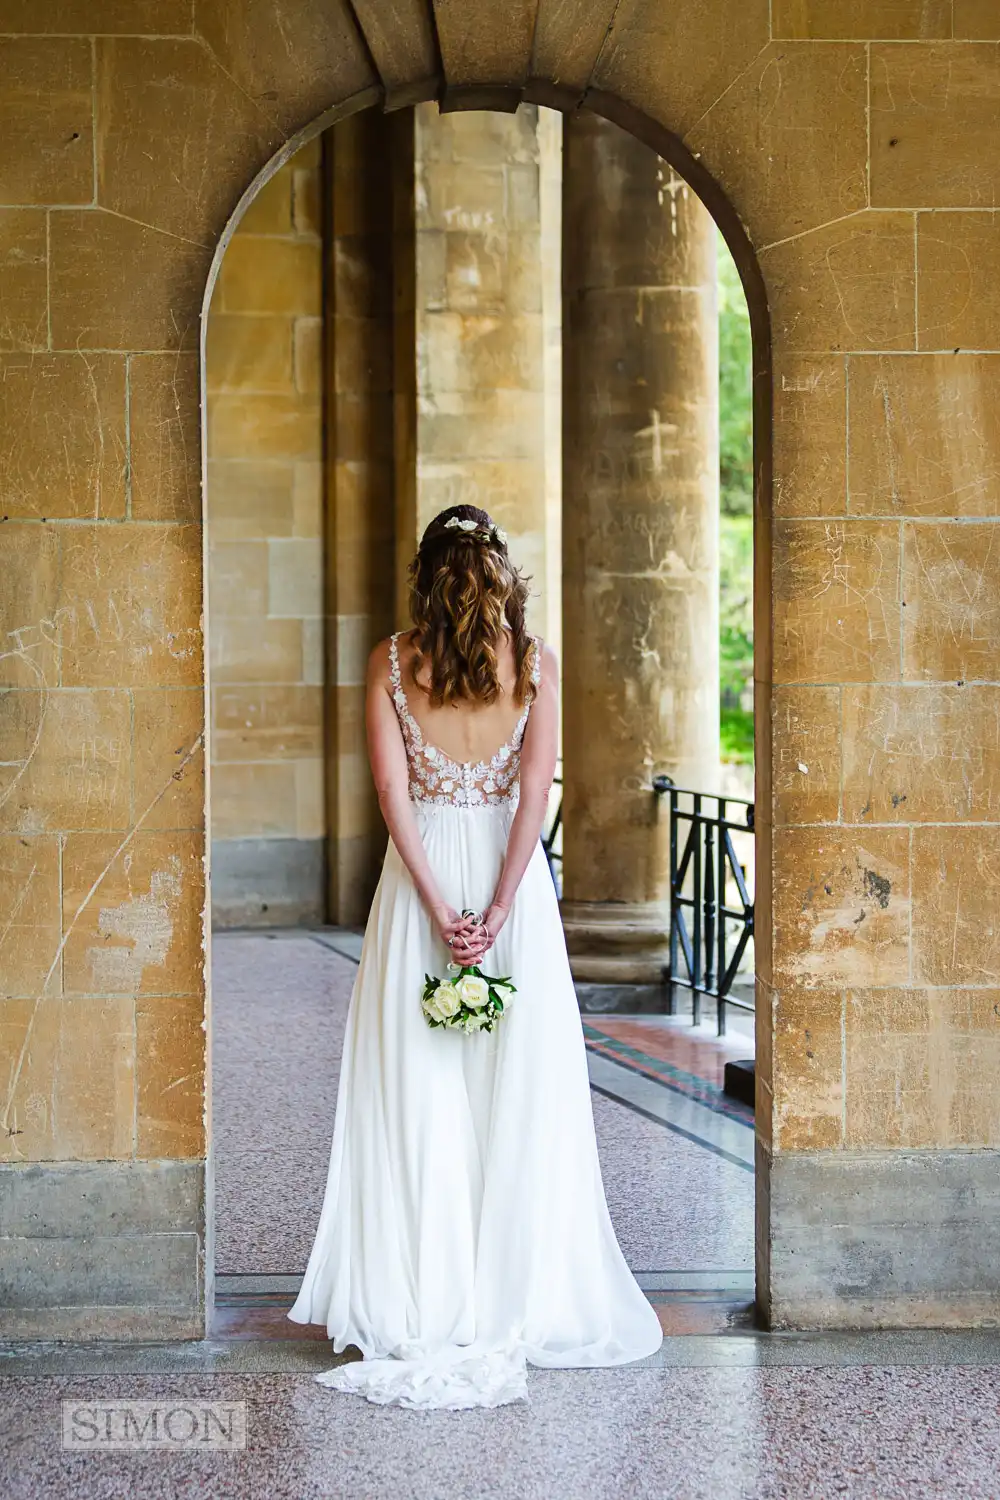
{"x": 464, "y": 1232}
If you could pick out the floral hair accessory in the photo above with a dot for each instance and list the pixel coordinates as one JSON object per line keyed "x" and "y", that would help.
{"x": 481, "y": 533}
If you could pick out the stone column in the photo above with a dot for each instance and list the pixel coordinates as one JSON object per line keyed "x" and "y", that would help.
{"x": 640, "y": 537}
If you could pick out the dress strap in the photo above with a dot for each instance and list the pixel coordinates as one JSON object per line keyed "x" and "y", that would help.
{"x": 536, "y": 663}
{"x": 398, "y": 695}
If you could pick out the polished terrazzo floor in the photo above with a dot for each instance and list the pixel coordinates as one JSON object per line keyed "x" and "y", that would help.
{"x": 722, "y": 1412}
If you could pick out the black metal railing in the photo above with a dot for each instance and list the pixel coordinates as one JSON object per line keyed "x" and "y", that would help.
{"x": 551, "y": 841}
{"x": 708, "y": 933}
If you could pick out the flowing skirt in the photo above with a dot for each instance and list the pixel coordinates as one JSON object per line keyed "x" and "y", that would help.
{"x": 464, "y": 1231}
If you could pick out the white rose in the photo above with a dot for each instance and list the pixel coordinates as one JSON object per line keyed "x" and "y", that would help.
{"x": 506, "y": 992}
{"x": 475, "y": 1022}
{"x": 442, "y": 1003}
{"x": 473, "y": 991}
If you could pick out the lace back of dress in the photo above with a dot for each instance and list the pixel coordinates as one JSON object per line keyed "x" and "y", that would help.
{"x": 438, "y": 780}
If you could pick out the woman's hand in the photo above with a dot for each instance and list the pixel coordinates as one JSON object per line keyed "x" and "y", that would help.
{"x": 485, "y": 936}
{"x": 456, "y": 932}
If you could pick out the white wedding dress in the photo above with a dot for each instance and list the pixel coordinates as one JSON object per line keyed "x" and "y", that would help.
{"x": 464, "y": 1232}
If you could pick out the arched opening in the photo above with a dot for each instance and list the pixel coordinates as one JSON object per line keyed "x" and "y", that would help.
{"x": 288, "y": 793}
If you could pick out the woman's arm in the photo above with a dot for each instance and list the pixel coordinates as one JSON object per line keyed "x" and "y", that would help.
{"x": 539, "y": 751}
{"x": 387, "y": 756}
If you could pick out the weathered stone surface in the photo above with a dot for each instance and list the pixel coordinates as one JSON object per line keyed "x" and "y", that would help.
{"x": 274, "y": 654}
{"x": 131, "y": 602}
{"x": 52, "y": 1273}
{"x": 402, "y": 43}
{"x": 884, "y": 20}
{"x": 496, "y": 52}
{"x": 638, "y": 59}
{"x": 68, "y": 760}
{"x": 844, "y": 286}
{"x": 806, "y": 768}
{"x": 917, "y": 754}
{"x": 959, "y": 303}
{"x": 90, "y": 17}
{"x": 32, "y": 624}
{"x": 976, "y": 19}
{"x": 951, "y": 623}
{"x": 956, "y": 926}
{"x": 294, "y": 61}
{"x": 164, "y": 425}
{"x": 62, "y": 435}
{"x": 808, "y": 1084}
{"x": 170, "y": 1067}
{"x": 810, "y": 414}
{"x": 269, "y": 275}
{"x": 249, "y": 353}
{"x": 933, "y": 119}
{"x": 46, "y": 120}
{"x": 568, "y": 42}
{"x": 841, "y": 907}
{"x": 272, "y": 882}
{"x": 119, "y": 285}
{"x": 69, "y": 1079}
{"x": 165, "y": 100}
{"x": 24, "y": 308}
{"x": 924, "y": 437}
{"x": 132, "y": 914}
{"x": 267, "y": 722}
{"x": 168, "y": 757}
{"x": 751, "y": 138}
{"x": 880, "y": 1239}
{"x": 29, "y": 895}
{"x": 836, "y": 601}
{"x": 81, "y": 1200}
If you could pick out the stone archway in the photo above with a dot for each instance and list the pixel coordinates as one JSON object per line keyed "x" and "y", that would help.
{"x": 133, "y": 152}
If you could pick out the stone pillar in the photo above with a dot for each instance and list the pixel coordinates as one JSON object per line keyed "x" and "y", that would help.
{"x": 486, "y": 417}
{"x": 640, "y": 537}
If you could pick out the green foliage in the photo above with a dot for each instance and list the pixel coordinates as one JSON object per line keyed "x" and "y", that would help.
{"x": 735, "y": 390}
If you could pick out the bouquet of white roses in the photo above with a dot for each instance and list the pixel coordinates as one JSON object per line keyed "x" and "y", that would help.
{"x": 468, "y": 998}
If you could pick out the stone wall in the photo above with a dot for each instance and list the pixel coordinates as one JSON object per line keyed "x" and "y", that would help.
{"x": 263, "y": 508}
{"x": 846, "y": 147}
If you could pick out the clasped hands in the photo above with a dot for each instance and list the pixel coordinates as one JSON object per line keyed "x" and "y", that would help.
{"x": 470, "y": 937}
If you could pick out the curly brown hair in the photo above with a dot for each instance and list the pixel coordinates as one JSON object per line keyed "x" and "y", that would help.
{"x": 464, "y": 591}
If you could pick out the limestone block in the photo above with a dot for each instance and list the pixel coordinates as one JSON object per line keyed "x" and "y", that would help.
{"x": 362, "y": 364}
{"x": 170, "y": 1067}
{"x": 496, "y": 425}
{"x": 807, "y": 1069}
{"x": 675, "y": 63}
{"x": 307, "y": 498}
{"x": 266, "y": 721}
{"x": 255, "y": 800}
{"x": 308, "y": 342}
{"x": 924, "y": 436}
{"x": 568, "y": 41}
{"x": 402, "y": 43}
{"x": 951, "y": 623}
{"x": 294, "y": 61}
{"x": 273, "y": 653}
{"x": 248, "y": 425}
{"x": 806, "y": 757}
{"x": 294, "y": 578}
{"x": 306, "y": 201}
{"x": 62, "y": 435}
{"x": 810, "y": 418}
{"x": 976, "y": 19}
{"x": 496, "y": 50}
{"x": 169, "y": 102}
{"x": 959, "y": 303}
{"x": 479, "y": 352}
{"x": 89, "y": 17}
{"x": 131, "y": 597}
{"x": 450, "y": 196}
{"x": 956, "y": 925}
{"x": 933, "y": 121}
{"x": 310, "y": 813}
{"x": 269, "y": 275}
{"x": 270, "y": 209}
{"x": 32, "y": 622}
{"x": 361, "y": 291}
{"x": 119, "y": 285}
{"x": 884, "y": 20}
{"x": 844, "y": 286}
{"x": 164, "y": 424}
{"x": 23, "y": 279}
{"x": 249, "y": 498}
{"x": 70, "y": 1079}
{"x": 29, "y": 897}
{"x": 169, "y": 757}
{"x": 841, "y": 906}
{"x": 68, "y": 760}
{"x": 313, "y": 659}
{"x": 753, "y": 138}
{"x": 237, "y": 581}
{"x": 249, "y": 353}
{"x": 921, "y": 754}
{"x": 132, "y": 914}
{"x": 836, "y": 601}
{"x": 46, "y": 120}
